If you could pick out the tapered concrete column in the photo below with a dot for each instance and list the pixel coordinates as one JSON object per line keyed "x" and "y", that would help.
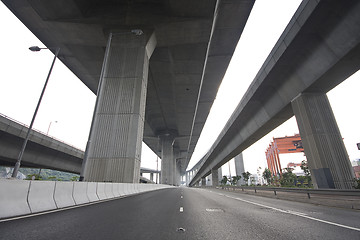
{"x": 323, "y": 145}
{"x": 189, "y": 178}
{"x": 167, "y": 160}
{"x": 151, "y": 176}
{"x": 114, "y": 151}
{"x": 203, "y": 181}
{"x": 176, "y": 174}
{"x": 239, "y": 168}
{"x": 215, "y": 177}
{"x": 209, "y": 180}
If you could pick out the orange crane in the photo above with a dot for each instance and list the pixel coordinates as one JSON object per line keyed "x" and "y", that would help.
{"x": 282, "y": 145}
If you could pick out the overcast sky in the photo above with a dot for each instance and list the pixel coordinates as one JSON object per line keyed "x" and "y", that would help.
{"x": 68, "y": 101}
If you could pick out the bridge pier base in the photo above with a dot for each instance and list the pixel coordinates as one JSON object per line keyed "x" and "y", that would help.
{"x": 116, "y": 135}
{"x": 327, "y": 157}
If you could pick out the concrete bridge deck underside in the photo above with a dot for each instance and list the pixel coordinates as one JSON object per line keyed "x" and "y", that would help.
{"x": 195, "y": 42}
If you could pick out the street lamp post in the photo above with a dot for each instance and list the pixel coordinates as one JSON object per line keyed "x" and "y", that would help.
{"x": 18, "y": 162}
{"x": 47, "y": 133}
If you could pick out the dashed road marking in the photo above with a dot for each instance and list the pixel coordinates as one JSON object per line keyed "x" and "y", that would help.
{"x": 181, "y": 209}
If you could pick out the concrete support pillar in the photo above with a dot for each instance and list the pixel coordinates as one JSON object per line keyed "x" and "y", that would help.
{"x": 327, "y": 157}
{"x": 215, "y": 177}
{"x": 176, "y": 174}
{"x": 114, "y": 148}
{"x": 220, "y": 174}
{"x": 203, "y": 181}
{"x": 190, "y": 177}
{"x": 239, "y": 168}
{"x": 151, "y": 176}
{"x": 167, "y": 160}
{"x": 209, "y": 180}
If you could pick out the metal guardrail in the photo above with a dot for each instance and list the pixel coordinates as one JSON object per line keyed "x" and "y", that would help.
{"x": 38, "y": 131}
{"x": 308, "y": 191}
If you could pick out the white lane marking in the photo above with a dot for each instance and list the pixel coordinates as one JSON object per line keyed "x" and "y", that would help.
{"x": 292, "y": 213}
{"x": 181, "y": 197}
{"x": 181, "y": 209}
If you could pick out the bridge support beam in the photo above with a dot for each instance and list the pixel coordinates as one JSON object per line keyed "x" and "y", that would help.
{"x": 327, "y": 157}
{"x": 239, "y": 168}
{"x": 114, "y": 149}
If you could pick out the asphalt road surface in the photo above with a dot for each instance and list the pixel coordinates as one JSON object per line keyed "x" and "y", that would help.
{"x": 185, "y": 213}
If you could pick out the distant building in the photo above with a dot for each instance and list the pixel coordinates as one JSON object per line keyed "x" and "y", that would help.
{"x": 356, "y": 167}
{"x": 7, "y": 172}
{"x": 296, "y": 169}
{"x": 282, "y": 145}
{"x": 256, "y": 179}
{"x": 355, "y": 162}
{"x": 357, "y": 171}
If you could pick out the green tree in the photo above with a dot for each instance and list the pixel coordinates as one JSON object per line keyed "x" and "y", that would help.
{"x": 246, "y": 176}
{"x": 36, "y": 177}
{"x": 52, "y": 178}
{"x": 305, "y": 168}
{"x": 224, "y": 180}
{"x": 235, "y": 179}
{"x": 74, "y": 178}
{"x": 267, "y": 176}
{"x": 356, "y": 184}
{"x": 288, "y": 178}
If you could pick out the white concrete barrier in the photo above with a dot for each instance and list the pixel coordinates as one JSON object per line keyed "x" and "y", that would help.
{"x": 116, "y": 189}
{"x": 63, "y": 195}
{"x": 136, "y": 187}
{"x": 91, "y": 192}
{"x": 13, "y": 198}
{"x": 109, "y": 190}
{"x": 126, "y": 189}
{"x": 100, "y": 191}
{"x": 131, "y": 188}
{"x": 80, "y": 193}
{"x": 41, "y": 196}
{"x": 141, "y": 187}
{"x": 121, "y": 189}
{"x": 36, "y": 196}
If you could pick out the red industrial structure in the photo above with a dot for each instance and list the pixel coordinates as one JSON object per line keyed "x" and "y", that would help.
{"x": 282, "y": 145}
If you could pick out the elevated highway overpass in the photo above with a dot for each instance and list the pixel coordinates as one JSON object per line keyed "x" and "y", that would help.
{"x": 176, "y": 66}
{"x": 318, "y": 50}
{"x": 43, "y": 151}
